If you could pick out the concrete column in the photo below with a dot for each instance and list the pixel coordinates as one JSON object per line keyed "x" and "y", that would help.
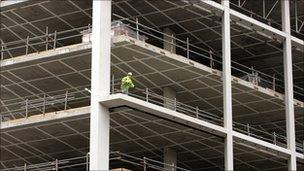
{"x": 288, "y": 80}
{"x": 169, "y": 42}
{"x": 100, "y": 86}
{"x": 227, "y": 95}
{"x": 170, "y": 97}
{"x": 170, "y": 157}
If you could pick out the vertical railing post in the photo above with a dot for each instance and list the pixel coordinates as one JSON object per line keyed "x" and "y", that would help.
{"x": 171, "y": 44}
{"x": 47, "y": 38}
{"x": 211, "y": 59}
{"x": 2, "y": 49}
{"x": 27, "y": 45}
{"x": 264, "y": 13}
{"x": 25, "y": 167}
{"x": 44, "y": 104}
{"x": 303, "y": 146}
{"x": 197, "y": 112}
{"x": 113, "y": 84}
{"x": 147, "y": 94}
{"x": 273, "y": 82}
{"x": 145, "y": 164}
{"x": 188, "y": 53}
{"x": 56, "y": 164}
{"x": 66, "y": 100}
{"x": 89, "y": 28}
{"x": 55, "y": 40}
{"x": 175, "y": 104}
{"x": 296, "y": 15}
{"x": 26, "y": 108}
{"x": 252, "y": 70}
{"x": 87, "y": 162}
{"x": 274, "y": 138}
{"x": 248, "y": 129}
{"x": 137, "y": 29}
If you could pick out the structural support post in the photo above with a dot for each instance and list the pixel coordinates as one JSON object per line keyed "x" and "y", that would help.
{"x": 170, "y": 97}
{"x": 169, "y": 41}
{"x": 227, "y": 95}
{"x": 170, "y": 157}
{"x": 100, "y": 86}
{"x": 288, "y": 81}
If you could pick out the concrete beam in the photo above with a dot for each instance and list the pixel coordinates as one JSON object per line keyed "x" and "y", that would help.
{"x": 120, "y": 100}
{"x": 169, "y": 41}
{"x": 42, "y": 118}
{"x": 260, "y": 144}
{"x": 100, "y": 86}
{"x": 257, "y": 25}
{"x": 248, "y": 21}
{"x": 170, "y": 157}
{"x": 170, "y": 95}
{"x": 9, "y": 3}
{"x": 57, "y": 53}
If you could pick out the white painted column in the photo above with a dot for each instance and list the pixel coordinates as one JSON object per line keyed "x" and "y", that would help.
{"x": 170, "y": 97}
{"x": 170, "y": 157}
{"x": 227, "y": 95}
{"x": 288, "y": 81}
{"x": 169, "y": 41}
{"x": 100, "y": 85}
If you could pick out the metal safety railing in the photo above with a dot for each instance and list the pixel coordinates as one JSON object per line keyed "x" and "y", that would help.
{"x": 205, "y": 56}
{"x": 47, "y": 102}
{"x": 58, "y": 102}
{"x": 185, "y": 48}
{"x": 154, "y": 98}
{"x": 149, "y": 96}
{"x": 143, "y": 163}
{"x": 48, "y": 41}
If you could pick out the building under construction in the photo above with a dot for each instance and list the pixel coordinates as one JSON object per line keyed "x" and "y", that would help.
{"x": 218, "y": 85}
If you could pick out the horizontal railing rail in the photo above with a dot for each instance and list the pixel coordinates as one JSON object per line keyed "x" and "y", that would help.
{"x": 74, "y": 162}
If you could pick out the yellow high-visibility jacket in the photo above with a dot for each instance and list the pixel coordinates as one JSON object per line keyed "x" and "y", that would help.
{"x": 126, "y": 82}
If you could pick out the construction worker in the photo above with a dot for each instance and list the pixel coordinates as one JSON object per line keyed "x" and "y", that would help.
{"x": 126, "y": 83}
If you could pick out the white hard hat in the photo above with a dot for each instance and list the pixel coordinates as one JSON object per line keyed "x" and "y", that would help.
{"x": 130, "y": 73}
